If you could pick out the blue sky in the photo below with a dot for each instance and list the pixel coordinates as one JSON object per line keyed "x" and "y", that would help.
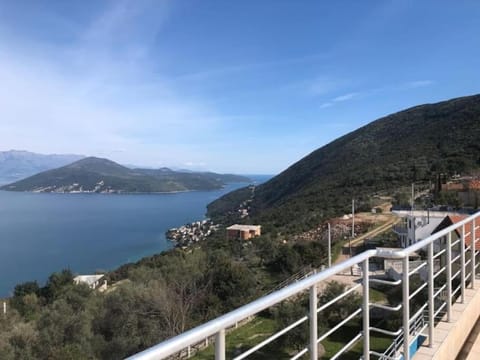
{"x": 232, "y": 86}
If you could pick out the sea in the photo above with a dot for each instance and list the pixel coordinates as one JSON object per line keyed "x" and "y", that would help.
{"x": 44, "y": 233}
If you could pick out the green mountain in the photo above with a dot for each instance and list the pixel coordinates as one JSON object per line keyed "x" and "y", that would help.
{"x": 417, "y": 144}
{"x": 101, "y": 175}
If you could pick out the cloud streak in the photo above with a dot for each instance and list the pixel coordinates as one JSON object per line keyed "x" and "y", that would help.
{"x": 375, "y": 91}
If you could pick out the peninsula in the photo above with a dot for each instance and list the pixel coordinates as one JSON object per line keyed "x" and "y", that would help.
{"x": 97, "y": 175}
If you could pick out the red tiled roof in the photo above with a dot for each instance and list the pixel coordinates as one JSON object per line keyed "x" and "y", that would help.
{"x": 468, "y": 229}
{"x": 474, "y": 185}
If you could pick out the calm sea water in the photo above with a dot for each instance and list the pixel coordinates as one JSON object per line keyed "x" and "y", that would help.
{"x": 43, "y": 233}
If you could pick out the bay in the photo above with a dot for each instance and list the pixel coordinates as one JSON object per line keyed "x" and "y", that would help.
{"x": 44, "y": 233}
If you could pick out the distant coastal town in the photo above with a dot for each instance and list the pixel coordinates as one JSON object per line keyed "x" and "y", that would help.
{"x": 191, "y": 233}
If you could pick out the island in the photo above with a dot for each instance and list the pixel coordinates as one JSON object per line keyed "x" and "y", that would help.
{"x": 97, "y": 175}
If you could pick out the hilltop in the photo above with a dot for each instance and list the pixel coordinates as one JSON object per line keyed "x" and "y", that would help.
{"x": 102, "y": 175}
{"x": 414, "y": 145}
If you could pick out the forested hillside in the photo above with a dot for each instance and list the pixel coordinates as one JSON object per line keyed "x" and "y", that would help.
{"x": 102, "y": 175}
{"x": 412, "y": 145}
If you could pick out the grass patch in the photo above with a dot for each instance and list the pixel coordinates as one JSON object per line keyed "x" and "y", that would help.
{"x": 377, "y": 296}
{"x": 341, "y": 337}
{"x": 244, "y": 338}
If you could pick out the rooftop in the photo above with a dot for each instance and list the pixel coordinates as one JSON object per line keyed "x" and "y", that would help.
{"x": 87, "y": 279}
{"x": 244, "y": 227}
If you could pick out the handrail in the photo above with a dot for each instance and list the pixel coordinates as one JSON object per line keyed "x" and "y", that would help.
{"x": 210, "y": 328}
{"x": 218, "y": 325}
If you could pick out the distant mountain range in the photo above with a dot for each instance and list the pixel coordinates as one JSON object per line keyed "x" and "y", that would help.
{"x": 417, "y": 144}
{"x": 16, "y": 165}
{"x": 105, "y": 176}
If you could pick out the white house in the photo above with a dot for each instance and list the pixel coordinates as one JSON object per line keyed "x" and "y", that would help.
{"x": 93, "y": 281}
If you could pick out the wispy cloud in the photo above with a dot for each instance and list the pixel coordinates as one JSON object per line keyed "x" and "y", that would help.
{"x": 418, "y": 83}
{"x": 375, "y": 91}
{"x": 254, "y": 66}
{"x": 345, "y": 97}
{"x": 324, "y": 85}
{"x": 340, "y": 99}
{"x": 94, "y": 95}
{"x": 326, "y": 105}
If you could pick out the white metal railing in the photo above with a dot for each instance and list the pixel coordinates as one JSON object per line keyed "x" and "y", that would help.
{"x": 439, "y": 289}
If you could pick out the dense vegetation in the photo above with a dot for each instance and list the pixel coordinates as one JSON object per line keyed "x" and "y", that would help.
{"x": 88, "y": 173}
{"x": 415, "y": 145}
{"x": 154, "y": 299}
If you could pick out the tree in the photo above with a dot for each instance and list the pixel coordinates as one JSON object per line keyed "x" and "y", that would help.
{"x": 56, "y": 283}
{"x": 343, "y": 307}
{"x": 286, "y": 314}
{"x": 288, "y": 261}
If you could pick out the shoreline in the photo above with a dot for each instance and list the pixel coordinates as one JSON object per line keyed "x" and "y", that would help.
{"x": 120, "y": 192}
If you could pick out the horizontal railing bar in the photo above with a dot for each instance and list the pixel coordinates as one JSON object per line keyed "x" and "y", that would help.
{"x": 386, "y": 282}
{"x": 346, "y": 347}
{"x": 339, "y": 325}
{"x": 456, "y": 258}
{"x": 386, "y": 332}
{"x": 455, "y": 242}
{"x": 300, "y": 354}
{"x": 420, "y": 288}
{"x": 271, "y": 338}
{"x": 417, "y": 268}
{"x": 382, "y": 356}
{"x": 456, "y": 274}
{"x": 439, "y": 290}
{"x": 439, "y": 253}
{"x": 439, "y": 272}
{"x": 454, "y": 292}
{"x": 418, "y": 313}
{"x": 386, "y": 307}
{"x": 331, "y": 302}
{"x": 439, "y": 309}
{"x": 423, "y": 328}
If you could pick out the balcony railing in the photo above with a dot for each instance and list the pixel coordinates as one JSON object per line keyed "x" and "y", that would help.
{"x": 442, "y": 292}
{"x": 400, "y": 229}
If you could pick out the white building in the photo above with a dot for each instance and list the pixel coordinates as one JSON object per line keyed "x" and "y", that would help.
{"x": 413, "y": 229}
{"x": 93, "y": 281}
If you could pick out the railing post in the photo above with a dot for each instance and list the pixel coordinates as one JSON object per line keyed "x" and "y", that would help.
{"x": 449, "y": 276}
{"x": 406, "y": 309}
{"x": 220, "y": 345}
{"x": 313, "y": 323}
{"x": 462, "y": 264}
{"x": 366, "y": 312}
{"x": 431, "y": 300}
{"x": 472, "y": 250}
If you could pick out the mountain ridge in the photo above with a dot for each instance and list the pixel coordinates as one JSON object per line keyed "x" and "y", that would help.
{"x": 94, "y": 174}
{"x": 415, "y": 144}
{"x": 18, "y": 164}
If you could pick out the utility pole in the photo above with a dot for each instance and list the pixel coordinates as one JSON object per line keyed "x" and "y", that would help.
{"x": 5, "y": 308}
{"x": 329, "y": 246}
{"x": 353, "y": 233}
{"x": 353, "y": 226}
